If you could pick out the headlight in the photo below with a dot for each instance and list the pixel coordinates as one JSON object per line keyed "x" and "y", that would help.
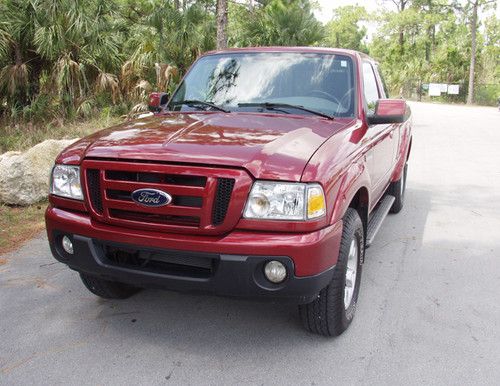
{"x": 285, "y": 201}
{"x": 65, "y": 182}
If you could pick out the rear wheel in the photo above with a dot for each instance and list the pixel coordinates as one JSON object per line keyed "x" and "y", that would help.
{"x": 108, "y": 289}
{"x": 333, "y": 310}
{"x": 398, "y": 189}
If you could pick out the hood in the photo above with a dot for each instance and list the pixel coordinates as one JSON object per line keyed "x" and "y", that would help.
{"x": 269, "y": 146}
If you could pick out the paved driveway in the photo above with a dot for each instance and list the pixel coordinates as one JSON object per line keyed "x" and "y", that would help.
{"x": 429, "y": 309}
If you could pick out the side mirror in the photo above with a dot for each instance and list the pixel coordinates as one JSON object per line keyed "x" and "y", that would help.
{"x": 389, "y": 111}
{"x": 157, "y": 100}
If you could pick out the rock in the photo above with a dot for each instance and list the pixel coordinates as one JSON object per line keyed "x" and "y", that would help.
{"x": 24, "y": 176}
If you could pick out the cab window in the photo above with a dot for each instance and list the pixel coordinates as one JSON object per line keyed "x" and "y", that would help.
{"x": 370, "y": 86}
{"x": 384, "y": 84}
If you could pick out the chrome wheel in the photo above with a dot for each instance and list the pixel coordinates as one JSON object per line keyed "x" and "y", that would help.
{"x": 351, "y": 273}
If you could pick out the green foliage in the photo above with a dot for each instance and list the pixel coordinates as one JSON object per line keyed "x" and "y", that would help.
{"x": 490, "y": 66}
{"x": 436, "y": 47}
{"x": 488, "y": 94}
{"x": 62, "y": 60}
{"x": 76, "y": 57}
{"x": 278, "y": 23}
{"x": 345, "y": 31}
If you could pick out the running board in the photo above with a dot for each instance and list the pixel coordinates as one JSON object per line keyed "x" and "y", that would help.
{"x": 377, "y": 218}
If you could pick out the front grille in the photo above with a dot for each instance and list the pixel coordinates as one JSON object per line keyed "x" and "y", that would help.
{"x": 170, "y": 179}
{"x": 162, "y": 262}
{"x": 94, "y": 184}
{"x": 202, "y": 198}
{"x": 224, "y": 189}
{"x": 190, "y": 201}
{"x": 155, "y": 218}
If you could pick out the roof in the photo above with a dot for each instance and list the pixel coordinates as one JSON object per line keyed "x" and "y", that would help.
{"x": 328, "y": 50}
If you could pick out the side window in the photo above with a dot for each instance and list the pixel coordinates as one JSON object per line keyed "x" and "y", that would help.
{"x": 384, "y": 85}
{"x": 370, "y": 85}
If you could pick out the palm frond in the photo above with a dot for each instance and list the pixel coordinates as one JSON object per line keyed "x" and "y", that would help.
{"x": 14, "y": 78}
{"x": 106, "y": 82}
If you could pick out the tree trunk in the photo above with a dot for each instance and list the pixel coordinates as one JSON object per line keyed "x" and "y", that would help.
{"x": 431, "y": 30}
{"x": 177, "y": 4}
{"x": 18, "y": 55}
{"x": 221, "y": 24}
{"x": 402, "y": 5}
{"x": 472, "y": 70}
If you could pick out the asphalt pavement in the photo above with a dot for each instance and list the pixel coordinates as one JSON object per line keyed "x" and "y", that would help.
{"x": 428, "y": 312}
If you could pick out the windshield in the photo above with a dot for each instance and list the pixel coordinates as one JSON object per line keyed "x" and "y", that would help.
{"x": 269, "y": 81}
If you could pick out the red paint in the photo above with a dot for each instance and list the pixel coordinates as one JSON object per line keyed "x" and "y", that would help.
{"x": 154, "y": 99}
{"x": 301, "y": 247}
{"x": 345, "y": 156}
{"x": 267, "y": 145}
{"x": 242, "y": 186}
{"x": 391, "y": 107}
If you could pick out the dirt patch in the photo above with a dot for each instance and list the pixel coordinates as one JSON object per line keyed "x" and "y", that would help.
{"x": 18, "y": 225}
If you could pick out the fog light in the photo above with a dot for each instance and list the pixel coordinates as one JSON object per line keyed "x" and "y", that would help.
{"x": 67, "y": 245}
{"x": 275, "y": 271}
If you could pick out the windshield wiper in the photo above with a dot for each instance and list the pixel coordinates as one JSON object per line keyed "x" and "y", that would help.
{"x": 272, "y": 106}
{"x": 194, "y": 102}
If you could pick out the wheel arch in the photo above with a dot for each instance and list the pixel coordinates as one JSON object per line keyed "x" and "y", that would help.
{"x": 409, "y": 149}
{"x": 404, "y": 155}
{"x": 360, "y": 202}
{"x": 354, "y": 192}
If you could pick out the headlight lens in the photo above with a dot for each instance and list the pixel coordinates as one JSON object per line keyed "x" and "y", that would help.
{"x": 65, "y": 182}
{"x": 285, "y": 201}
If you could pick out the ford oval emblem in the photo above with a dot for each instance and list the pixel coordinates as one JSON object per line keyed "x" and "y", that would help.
{"x": 151, "y": 197}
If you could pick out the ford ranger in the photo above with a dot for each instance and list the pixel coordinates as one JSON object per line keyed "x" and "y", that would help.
{"x": 266, "y": 174}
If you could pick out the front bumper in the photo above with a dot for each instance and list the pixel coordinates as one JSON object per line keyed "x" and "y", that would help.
{"x": 229, "y": 265}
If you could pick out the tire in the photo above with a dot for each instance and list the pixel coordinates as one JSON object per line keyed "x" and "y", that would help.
{"x": 108, "y": 289}
{"x": 398, "y": 189}
{"x": 327, "y": 314}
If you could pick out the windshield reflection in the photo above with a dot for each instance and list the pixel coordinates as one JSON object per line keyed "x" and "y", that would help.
{"x": 320, "y": 82}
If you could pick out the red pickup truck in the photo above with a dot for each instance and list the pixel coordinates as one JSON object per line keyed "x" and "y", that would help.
{"x": 265, "y": 175}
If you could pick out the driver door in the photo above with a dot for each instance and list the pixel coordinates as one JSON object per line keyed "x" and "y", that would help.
{"x": 381, "y": 137}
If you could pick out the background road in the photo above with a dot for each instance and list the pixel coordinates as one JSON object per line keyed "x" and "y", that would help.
{"x": 429, "y": 306}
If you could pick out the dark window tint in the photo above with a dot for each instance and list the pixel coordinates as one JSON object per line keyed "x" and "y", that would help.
{"x": 370, "y": 85}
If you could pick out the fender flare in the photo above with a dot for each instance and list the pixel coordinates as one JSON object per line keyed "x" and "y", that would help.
{"x": 404, "y": 154}
{"x": 355, "y": 179}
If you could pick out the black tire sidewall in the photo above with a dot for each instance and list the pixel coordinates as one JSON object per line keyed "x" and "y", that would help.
{"x": 353, "y": 229}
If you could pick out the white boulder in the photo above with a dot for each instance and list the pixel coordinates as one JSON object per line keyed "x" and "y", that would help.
{"x": 24, "y": 176}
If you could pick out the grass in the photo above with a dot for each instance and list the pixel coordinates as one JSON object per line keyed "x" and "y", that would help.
{"x": 22, "y": 137}
{"x": 19, "y": 224}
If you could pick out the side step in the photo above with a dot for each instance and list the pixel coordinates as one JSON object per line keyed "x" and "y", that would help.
{"x": 377, "y": 218}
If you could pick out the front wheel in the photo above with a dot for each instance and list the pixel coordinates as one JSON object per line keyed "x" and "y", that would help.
{"x": 333, "y": 310}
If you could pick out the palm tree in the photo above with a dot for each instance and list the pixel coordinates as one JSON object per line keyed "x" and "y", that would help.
{"x": 18, "y": 60}
{"x": 283, "y": 22}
